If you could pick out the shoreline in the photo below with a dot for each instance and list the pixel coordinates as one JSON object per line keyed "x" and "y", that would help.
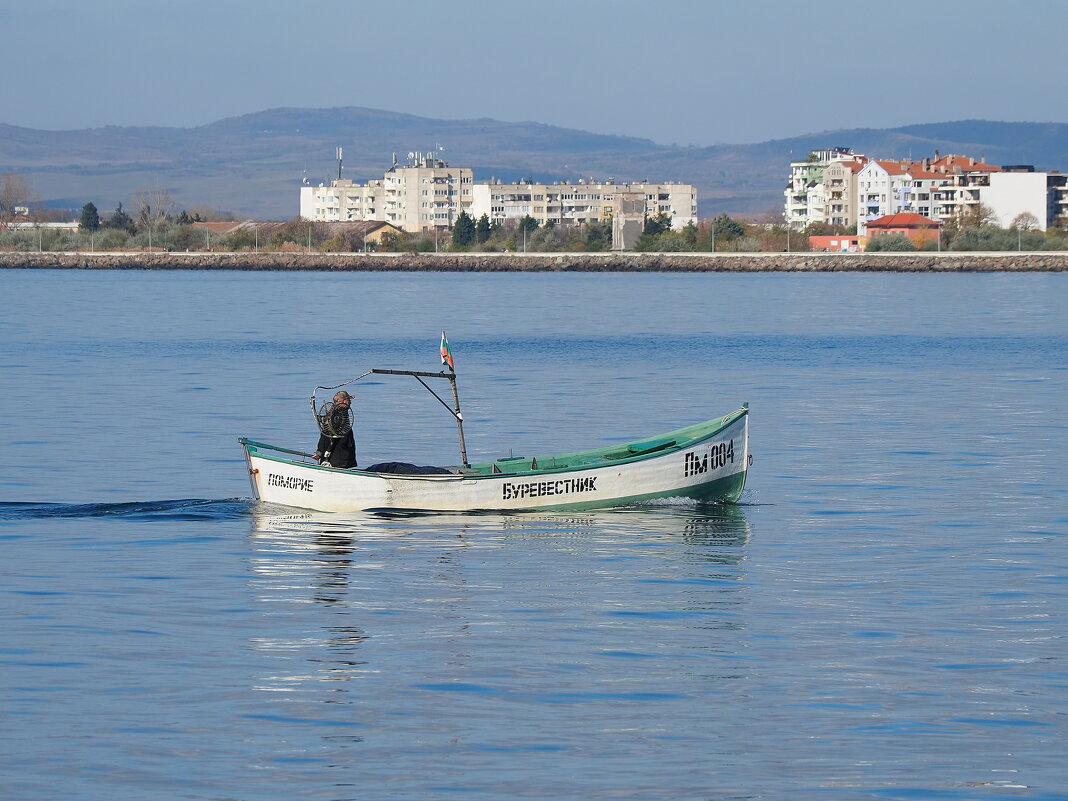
{"x": 962, "y": 262}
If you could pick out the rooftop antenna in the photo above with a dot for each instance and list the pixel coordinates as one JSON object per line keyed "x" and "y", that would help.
{"x": 337, "y": 155}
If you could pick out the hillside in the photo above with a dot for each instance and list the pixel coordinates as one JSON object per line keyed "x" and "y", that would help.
{"x": 253, "y": 164}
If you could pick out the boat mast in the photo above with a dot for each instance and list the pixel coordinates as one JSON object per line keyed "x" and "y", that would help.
{"x": 459, "y": 419}
{"x": 454, "y": 410}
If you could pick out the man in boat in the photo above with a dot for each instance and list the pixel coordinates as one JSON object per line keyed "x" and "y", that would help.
{"x": 338, "y": 451}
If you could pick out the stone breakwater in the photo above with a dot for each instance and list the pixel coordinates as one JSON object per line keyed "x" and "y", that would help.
{"x": 548, "y": 262}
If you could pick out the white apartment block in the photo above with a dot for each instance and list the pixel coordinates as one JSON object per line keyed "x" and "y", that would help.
{"x": 890, "y": 187}
{"x": 422, "y": 196}
{"x": 1007, "y": 192}
{"x": 583, "y": 202}
{"x": 1008, "y": 195}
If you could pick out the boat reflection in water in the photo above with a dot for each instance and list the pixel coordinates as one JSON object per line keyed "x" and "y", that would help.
{"x": 723, "y": 524}
{"x": 376, "y": 602}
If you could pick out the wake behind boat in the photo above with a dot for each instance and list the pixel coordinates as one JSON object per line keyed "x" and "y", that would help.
{"x": 707, "y": 461}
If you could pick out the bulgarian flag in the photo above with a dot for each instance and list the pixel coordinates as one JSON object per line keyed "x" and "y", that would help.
{"x": 446, "y": 354}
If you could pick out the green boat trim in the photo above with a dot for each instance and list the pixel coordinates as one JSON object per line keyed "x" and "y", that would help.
{"x": 625, "y": 453}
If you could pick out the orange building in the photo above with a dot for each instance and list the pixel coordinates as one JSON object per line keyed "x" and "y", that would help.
{"x": 837, "y": 243}
{"x": 919, "y": 229}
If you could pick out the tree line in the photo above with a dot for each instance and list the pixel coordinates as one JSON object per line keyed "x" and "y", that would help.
{"x": 975, "y": 230}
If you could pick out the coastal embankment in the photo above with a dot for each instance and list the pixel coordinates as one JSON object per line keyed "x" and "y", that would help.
{"x": 961, "y": 262}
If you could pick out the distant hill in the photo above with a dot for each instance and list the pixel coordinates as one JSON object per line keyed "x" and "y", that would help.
{"x": 253, "y": 164}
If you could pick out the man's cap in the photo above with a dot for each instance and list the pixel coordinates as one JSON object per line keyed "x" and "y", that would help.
{"x": 341, "y": 395}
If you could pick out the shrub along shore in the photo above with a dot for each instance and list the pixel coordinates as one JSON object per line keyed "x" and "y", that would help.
{"x": 541, "y": 262}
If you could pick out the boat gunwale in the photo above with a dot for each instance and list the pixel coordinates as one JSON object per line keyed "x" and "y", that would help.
{"x": 726, "y": 421}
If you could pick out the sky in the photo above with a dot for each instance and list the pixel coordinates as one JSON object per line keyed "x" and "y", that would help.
{"x": 686, "y": 72}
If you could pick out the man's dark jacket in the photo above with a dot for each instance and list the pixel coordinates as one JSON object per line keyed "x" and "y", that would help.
{"x": 342, "y": 451}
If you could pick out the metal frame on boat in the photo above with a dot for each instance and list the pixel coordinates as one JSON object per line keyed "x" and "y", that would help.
{"x": 707, "y": 461}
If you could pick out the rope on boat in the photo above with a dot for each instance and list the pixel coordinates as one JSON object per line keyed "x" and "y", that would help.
{"x": 333, "y": 422}
{"x": 345, "y": 383}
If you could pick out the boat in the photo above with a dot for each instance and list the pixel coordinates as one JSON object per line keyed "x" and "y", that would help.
{"x": 706, "y": 461}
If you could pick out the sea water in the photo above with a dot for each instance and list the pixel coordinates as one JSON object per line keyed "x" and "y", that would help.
{"x": 882, "y": 617}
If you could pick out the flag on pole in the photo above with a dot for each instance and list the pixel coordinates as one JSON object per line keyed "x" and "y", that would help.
{"x": 446, "y": 354}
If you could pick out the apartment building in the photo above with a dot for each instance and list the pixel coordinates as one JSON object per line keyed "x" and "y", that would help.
{"x": 807, "y": 200}
{"x": 886, "y": 187}
{"x": 423, "y": 195}
{"x": 840, "y": 191}
{"x": 858, "y": 190}
{"x": 427, "y": 194}
{"x": 1006, "y": 195}
{"x": 581, "y": 202}
{"x": 1057, "y": 199}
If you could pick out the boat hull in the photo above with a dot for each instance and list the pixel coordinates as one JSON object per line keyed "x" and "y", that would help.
{"x": 710, "y": 469}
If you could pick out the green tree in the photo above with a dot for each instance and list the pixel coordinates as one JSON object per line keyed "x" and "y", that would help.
{"x": 527, "y": 223}
{"x": 689, "y": 235}
{"x": 598, "y": 236}
{"x": 727, "y": 228}
{"x": 657, "y": 224}
{"x": 186, "y": 237}
{"x": 463, "y": 231}
{"x": 482, "y": 229}
{"x": 896, "y": 242}
{"x": 121, "y": 221}
{"x": 90, "y": 219}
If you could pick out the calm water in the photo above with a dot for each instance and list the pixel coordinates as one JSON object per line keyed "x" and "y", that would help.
{"x": 882, "y": 618}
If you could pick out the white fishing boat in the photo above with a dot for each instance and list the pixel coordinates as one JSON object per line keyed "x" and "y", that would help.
{"x": 707, "y": 461}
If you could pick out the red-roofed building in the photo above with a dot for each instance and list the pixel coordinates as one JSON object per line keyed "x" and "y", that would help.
{"x": 882, "y": 188}
{"x": 916, "y": 227}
